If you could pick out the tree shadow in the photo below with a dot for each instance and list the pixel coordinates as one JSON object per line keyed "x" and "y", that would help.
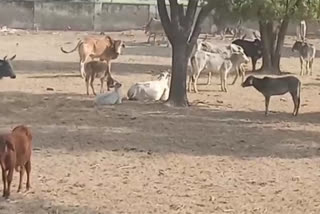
{"x": 35, "y": 66}
{"x": 72, "y": 122}
{"x": 39, "y": 205}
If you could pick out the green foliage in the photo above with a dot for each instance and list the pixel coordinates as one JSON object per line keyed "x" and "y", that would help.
{"x": 269, "y": 9}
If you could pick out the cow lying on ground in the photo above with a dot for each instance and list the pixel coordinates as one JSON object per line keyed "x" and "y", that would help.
{"x": 151, "y": 90}
{"x": 6, "y": 68}
{"x": 106, "y": 49}
{"x": 97, "y": 69}
{"x": 252, "y": 49}
{"x": 15, "y": 153}
{"x": 213, "y": 62}
{"x": 269, "y": 86}
{"x": 110, "y": 98}
{"x": 307, "y": 54}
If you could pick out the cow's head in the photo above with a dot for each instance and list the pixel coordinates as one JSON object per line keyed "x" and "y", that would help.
{"x": 248, "y": 82}
{"x": 6, "y": 68}
{"x": 164, "y": 75}
{"x": 117, "y": 46}
{"x": 239, "y": 58}
{"x": 297, "y": 46}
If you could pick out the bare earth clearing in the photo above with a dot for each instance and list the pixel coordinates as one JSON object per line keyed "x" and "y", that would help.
{"x": 219, "y": 156}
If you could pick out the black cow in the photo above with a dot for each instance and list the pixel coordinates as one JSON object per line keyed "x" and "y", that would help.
{"x": 6, "y": 68}
{"x": 252, "y": 49}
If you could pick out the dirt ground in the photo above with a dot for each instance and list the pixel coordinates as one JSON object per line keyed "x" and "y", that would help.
{"x": 222, "y": 155}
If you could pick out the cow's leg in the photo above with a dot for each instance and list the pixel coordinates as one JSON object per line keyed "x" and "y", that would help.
{"x": 222, "y": 80}
{"x": 267, "y": 100}
{"x": 87, "y": 78}
{"x": 209, "y": 78}
{"x": 9, "y": 180}
{"x": 224, "y": 76}
{"x": 4, "y": 181}
{"x": 80, "y": 68}
{"x": 254, "y": 62}
{"x": 237, "y": 74}
{"x": 82, "y": 73}
{"x": 148, "y": 41}
{"x": 28, "y": 170}
{"x": 82, "y": 64}
{"x": 91, "y": 84}
{"x": 310, "y": 66}
{"x": 195, "y": 82}
{"x": 20, "y": 178}
{"x": 101, "y": 85}
{"x": 307, "y": 67}
{"x": 301, "y": 66}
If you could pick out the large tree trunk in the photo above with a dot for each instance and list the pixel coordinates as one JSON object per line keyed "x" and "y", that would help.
{"x": 182, "y": 36}
{"x": 272, "y": 40}
{"x": 178, "y": 94}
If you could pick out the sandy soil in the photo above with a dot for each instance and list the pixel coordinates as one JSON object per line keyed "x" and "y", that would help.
{"x": 222, "y": 155}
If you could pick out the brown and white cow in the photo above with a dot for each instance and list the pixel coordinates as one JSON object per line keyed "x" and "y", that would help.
{"x": 90, "y": 48}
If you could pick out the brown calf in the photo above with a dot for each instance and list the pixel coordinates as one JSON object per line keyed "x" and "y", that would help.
{"x": 15, "y": 153}
{"x": 97, "y": 69}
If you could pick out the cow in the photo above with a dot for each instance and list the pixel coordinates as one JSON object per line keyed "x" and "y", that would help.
{"x": 270, "y": 86}
{"x": 301, "y": 30}
{"x": 213, "y": 62}
{"x": 106, "y": 49}
{"x": 110, "y": 98}
{"x": 307, "y": 54}
{"x": 15, "y": 154}
{"x": 6, "y": 68}
{"x": 154, "y": 27}
{"x": 97, "y": 69}
{"x": 151, "y": 90}
{"x": 252, "y": 49}
{"x": 225, "y": 51}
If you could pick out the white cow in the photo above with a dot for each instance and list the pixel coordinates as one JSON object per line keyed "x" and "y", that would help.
{"x": 151, "y": 90}
{"x": 110, "y": 98}
{"x": 214, "y": 62}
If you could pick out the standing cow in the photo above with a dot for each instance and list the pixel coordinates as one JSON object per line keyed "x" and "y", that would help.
{"x": 89, "y": 48}
{"x": 252, "y": 49}
{"x": 154, "y": 27}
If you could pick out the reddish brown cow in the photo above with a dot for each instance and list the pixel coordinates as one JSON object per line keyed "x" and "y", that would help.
{"x": 15, "y": 153}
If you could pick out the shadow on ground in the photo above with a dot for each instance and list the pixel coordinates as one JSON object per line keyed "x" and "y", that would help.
{"x": 72, "y": 122}
{"x": 47, "y": 67}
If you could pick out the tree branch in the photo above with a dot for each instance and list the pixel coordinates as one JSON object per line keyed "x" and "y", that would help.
{"x": 205, "y": 10}
{"x": 165, "y": 20}
{"x": 174, "y": 12}
{"x": 190, "y": 14}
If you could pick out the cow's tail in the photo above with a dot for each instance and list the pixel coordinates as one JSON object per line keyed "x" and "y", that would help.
{"x": 64, "y": 51}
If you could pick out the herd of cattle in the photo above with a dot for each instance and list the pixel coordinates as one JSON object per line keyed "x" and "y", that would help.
{"x": 15, "y": 147}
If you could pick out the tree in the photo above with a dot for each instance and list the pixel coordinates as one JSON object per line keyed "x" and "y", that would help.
{"x": 182, "y": 31}
{"x": 273, "y": 17}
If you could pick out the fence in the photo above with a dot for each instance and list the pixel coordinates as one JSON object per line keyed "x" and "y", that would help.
{"x": 89, "y": 15}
